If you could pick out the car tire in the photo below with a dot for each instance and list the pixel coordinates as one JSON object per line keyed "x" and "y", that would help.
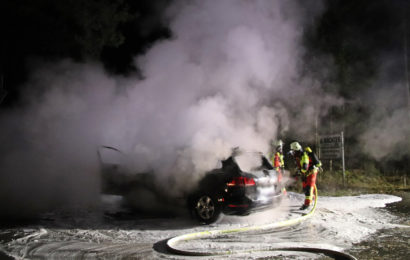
{"x": 206, "y": 208}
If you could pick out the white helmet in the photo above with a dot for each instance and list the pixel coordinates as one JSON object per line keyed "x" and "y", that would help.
{"x": 277, "y": 143}
{"x": 295, "y": 146}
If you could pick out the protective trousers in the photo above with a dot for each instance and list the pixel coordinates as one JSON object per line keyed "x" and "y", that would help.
{"x": 308, "y": 185}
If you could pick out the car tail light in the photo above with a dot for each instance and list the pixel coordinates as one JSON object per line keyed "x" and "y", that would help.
{"x": 241, "y": 181}
{"x": 238, "y": 206}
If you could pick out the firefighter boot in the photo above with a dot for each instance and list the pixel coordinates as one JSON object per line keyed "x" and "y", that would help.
{"x": 304, "y": 206}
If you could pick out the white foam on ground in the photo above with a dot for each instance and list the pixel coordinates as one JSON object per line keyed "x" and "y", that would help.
{"x": 351, "y": 219}
{"x": 337, "y": 223}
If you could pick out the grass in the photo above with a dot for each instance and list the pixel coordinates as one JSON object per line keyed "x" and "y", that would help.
{"x": 330, "y": 183}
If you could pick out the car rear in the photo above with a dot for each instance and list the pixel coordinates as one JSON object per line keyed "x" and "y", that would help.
{"x": 249, "y": 191}
{"x": 246, "y": 182}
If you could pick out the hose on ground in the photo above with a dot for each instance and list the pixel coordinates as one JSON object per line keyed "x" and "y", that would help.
{"x": 171, "y": 243}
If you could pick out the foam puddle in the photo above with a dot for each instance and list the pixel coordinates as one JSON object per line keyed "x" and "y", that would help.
{"x": 350, "y": 219}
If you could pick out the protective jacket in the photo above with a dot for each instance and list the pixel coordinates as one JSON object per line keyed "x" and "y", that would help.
{"x": 308, "y": 161}
{"x": 309, "y": 165}
{"x": 277, "y": 161}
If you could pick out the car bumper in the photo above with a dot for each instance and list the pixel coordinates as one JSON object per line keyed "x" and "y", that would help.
{"x": 247, "y": 205}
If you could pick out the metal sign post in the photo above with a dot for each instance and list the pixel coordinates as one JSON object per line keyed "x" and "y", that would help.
{"x": 343, "y": 159}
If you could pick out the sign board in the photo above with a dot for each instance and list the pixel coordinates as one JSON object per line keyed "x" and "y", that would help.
{"x": 330, "y": 146}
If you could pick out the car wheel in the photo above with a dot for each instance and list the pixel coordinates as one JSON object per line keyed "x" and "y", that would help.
{"x": 206, "y": 208}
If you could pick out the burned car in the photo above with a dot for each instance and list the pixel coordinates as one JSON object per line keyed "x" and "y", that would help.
{"x": 233, "y": 190}
{"x": 244, "y": 182}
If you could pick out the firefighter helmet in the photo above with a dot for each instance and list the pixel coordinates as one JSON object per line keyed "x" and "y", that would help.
{"x": 295, "y": 146}
{"x": 278, "y": 143}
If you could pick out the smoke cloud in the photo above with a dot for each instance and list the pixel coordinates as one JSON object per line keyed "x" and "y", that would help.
{"x": 226, "y": 79}
{"x": 387, "y": 134}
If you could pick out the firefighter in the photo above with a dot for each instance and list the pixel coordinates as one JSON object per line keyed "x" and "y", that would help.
{"x": 277, "y": 158}
{"x": 308, "y": 165}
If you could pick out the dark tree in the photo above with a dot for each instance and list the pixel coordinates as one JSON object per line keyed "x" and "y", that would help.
{"x": 102, "y": 30}
{"x": 363, "y": 41}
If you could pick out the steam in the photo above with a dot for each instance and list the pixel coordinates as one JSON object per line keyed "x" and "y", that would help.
{"x": 216, "y": 85}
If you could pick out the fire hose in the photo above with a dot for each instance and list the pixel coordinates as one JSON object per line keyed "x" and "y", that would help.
{"x": 172, "y": 243}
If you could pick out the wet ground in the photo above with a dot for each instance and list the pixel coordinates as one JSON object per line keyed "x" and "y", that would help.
{"x": 361, "y": 225}
{"x": 391, "y": 243}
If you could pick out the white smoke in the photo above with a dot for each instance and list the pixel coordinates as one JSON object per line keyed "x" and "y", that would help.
{"x": 388, "y": 132}
{"x": 208, "y": 89}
